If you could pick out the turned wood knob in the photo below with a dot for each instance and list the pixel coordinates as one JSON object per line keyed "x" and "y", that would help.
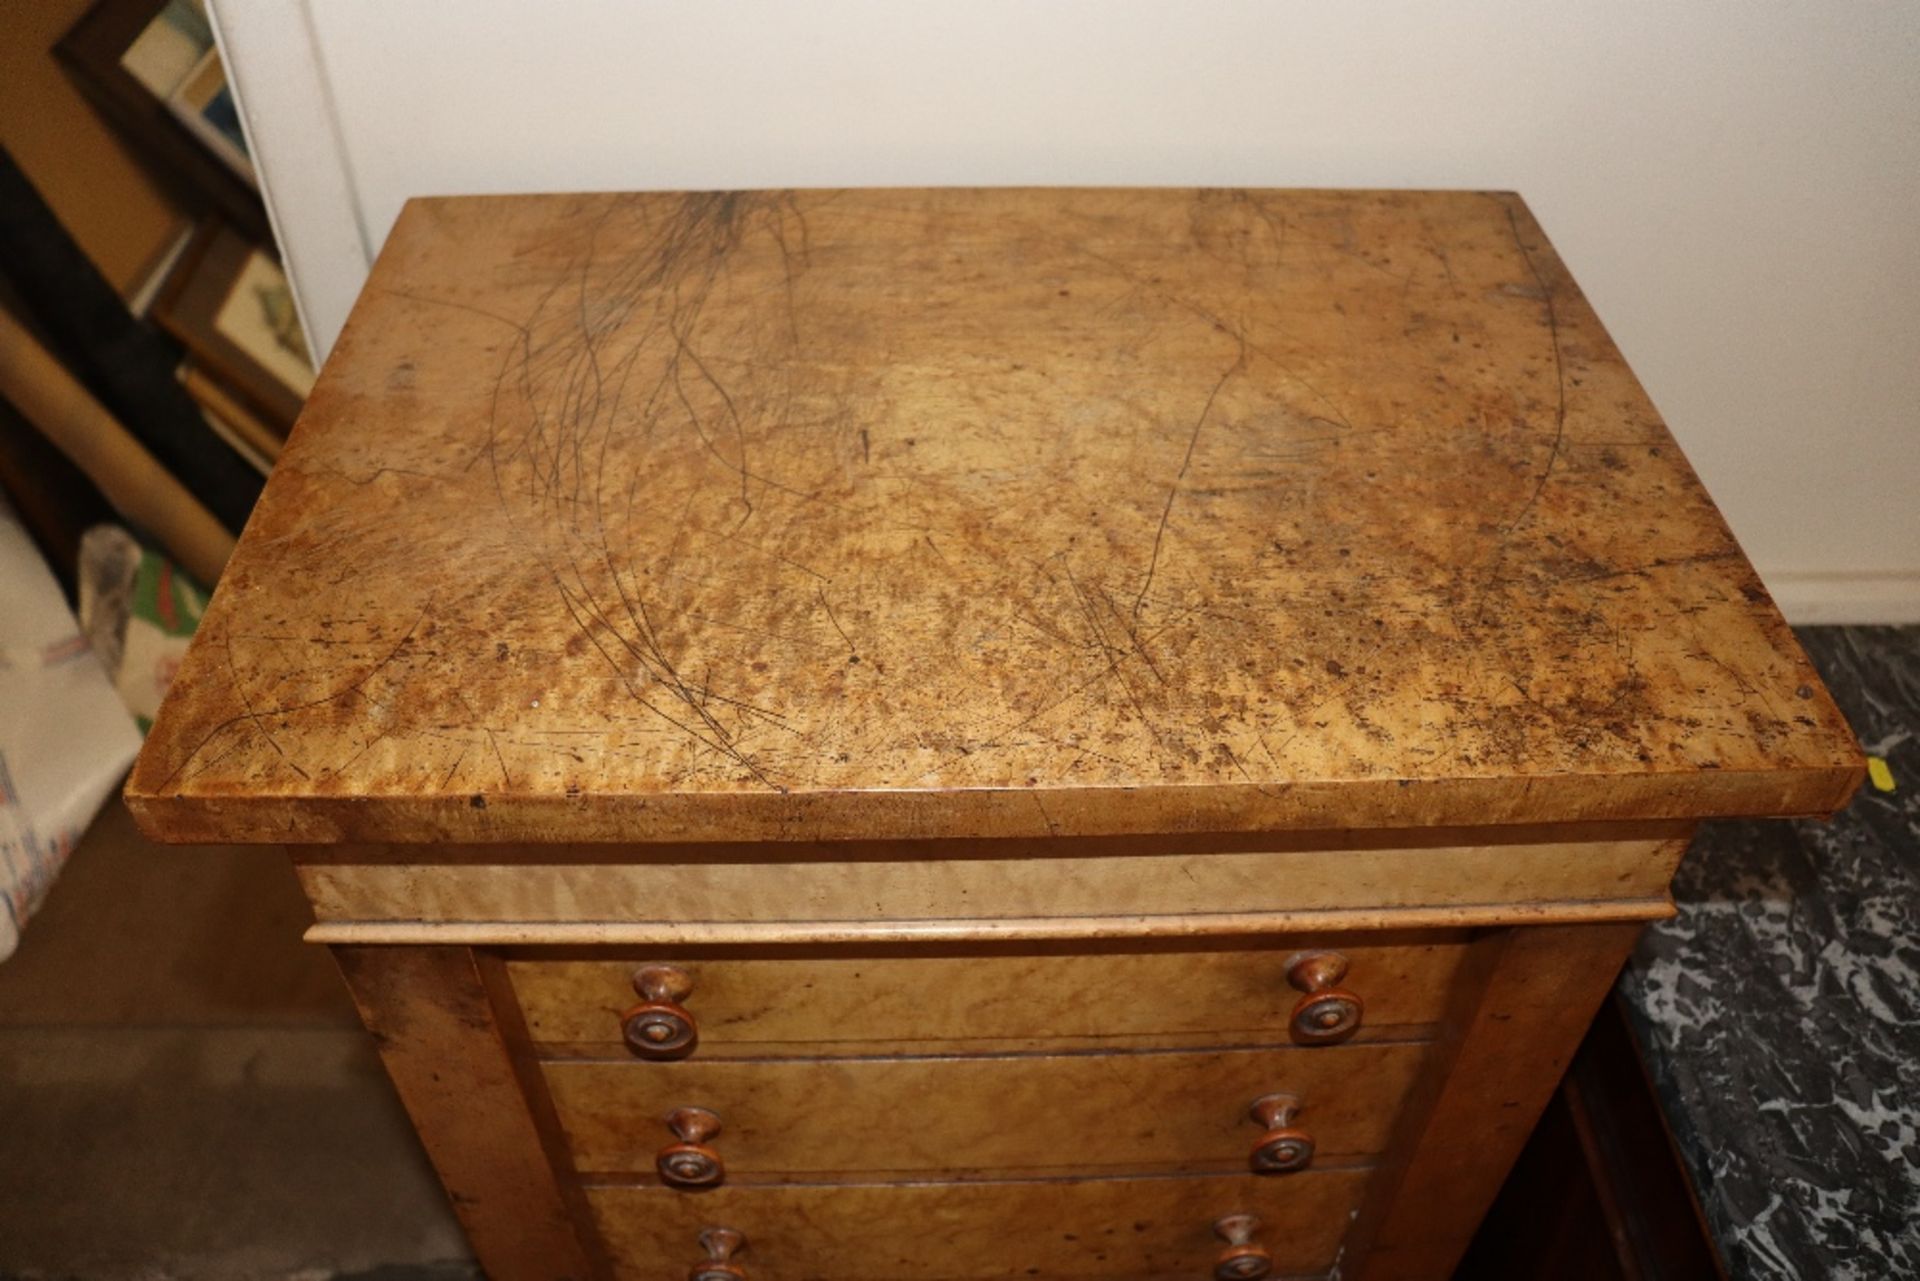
{"x": 690, "y": 1163}
{"x": 1281, "y": 1147}
{"x": 721, "y": 1244}
{"x": 1328, "y": 1012}
{"x": 660, "y": 1027}
{"x": 1242, "y": 1260}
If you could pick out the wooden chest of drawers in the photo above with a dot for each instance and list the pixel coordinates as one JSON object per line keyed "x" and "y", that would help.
{"x": 935, "y": 735}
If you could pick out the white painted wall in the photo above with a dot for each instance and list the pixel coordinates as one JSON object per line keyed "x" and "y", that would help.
{"x": 1736, "y": 186}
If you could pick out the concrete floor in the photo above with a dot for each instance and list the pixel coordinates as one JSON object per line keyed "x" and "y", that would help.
{"x": 186, "y": 1093}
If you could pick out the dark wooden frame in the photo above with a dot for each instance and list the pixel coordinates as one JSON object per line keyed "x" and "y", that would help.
{"x": 186, "y": 307}
{"x": 190, "y": 171}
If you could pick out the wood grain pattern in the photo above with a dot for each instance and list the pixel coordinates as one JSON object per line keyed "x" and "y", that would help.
{"x": 983, "y": 609}
{"x": 799, "y": 515}
{"x": 491, "y": 969}
{"x": 1093, "y": 997}
{"x": 986, "y": 884}
{"x": 1524, "y": 1007}
{"x": 429, "y": 1010}
{"x": 1118, "y": 929}
{"x": 1148, "y": 1229}
{"x": 899, "y": 1116}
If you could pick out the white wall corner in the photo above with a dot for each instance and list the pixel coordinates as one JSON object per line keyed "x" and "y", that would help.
{"x": 286, "y": 107}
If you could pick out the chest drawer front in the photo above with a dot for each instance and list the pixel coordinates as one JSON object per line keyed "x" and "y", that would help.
{"x": 1061, "y": 1231}
{"x": 1107, "y": 998}
{"x": 731, "y": 893}
{"x": 989, "y": 1113}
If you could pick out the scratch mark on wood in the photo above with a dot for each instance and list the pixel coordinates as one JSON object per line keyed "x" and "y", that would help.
{"x": 1559, "y": 373}
{"x": 1186, "y": 461}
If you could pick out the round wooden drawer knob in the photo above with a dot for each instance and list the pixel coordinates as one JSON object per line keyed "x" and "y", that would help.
{"x": 1242, "y": 1260}
{"x": 721, "y": 1244}
{"x": 690, "y": 1163}
{"x": 1328, "y": 1012}
{"x": 660, "y": 1027}
{"x": 1282, "y": 1147}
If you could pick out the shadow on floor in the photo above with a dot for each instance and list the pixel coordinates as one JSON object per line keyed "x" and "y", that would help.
{"x": 185, "y": 1092}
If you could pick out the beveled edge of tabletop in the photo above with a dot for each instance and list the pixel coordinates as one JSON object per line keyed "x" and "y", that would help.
{"x": 996, "y": 813}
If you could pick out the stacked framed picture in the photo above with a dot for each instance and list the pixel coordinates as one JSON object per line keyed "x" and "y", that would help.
{"x": 153, "y": 69}
{"x": 229, "y": 305}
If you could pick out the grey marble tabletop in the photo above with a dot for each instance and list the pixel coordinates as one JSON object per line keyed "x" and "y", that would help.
{"x": 1780, "y": 1011}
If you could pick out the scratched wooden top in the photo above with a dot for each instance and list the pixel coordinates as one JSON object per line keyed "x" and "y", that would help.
{"x": 969, "y": 513}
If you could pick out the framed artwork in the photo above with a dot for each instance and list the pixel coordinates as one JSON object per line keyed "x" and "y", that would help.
{"x": 229, "y": 304}
{"x": 204, "y": 104}
{"x": 169, "y": 47}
